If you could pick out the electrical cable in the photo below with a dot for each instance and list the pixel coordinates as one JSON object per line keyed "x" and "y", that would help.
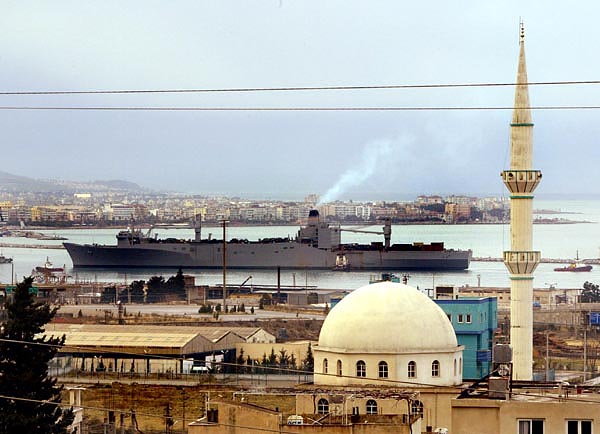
{"x": 302, "y": 88}
{"x": 292, "y": 109}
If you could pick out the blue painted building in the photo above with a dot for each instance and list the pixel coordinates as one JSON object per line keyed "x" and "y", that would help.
{"x": 474, "y": 320}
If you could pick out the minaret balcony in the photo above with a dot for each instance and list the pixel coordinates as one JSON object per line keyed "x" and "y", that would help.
{"x": 521, "y": 181}
{"x": 522, "y": 262}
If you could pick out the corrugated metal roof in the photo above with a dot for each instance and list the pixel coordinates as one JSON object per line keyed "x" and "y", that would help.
{"x": 103, "y": 337}
{"x": 86, "y": 335}
{"x": 245, "y": 332}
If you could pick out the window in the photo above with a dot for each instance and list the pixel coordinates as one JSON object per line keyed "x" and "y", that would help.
{"x": 361, "y": 369}
{"x": 531, "y": 426}
{"x": 468, "y": 320}
{"x": 383, "y": 370}
{"x": 412, "y": 369}
{"x": 325, "y": 367}
{"x": 371, "y": 406}
{"x": 460, "y": 318}
{"x": 455, "y": 367}
{"x": 579, "y": 427}
{"x": 416, "y": 407}
{"x": 322, "y": 406}
{"x": 435, "y": 368}
{"x": 339, "y": 367}
{"x": 449, "y": 317}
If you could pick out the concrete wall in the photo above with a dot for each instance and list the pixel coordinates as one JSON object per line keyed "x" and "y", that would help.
{"x": 501, "y": 417}
{"x": 397, "y": 368}
{"x": 238, "y": 418}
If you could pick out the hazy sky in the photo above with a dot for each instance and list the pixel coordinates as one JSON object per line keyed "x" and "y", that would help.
{"x": 129, "y": 45}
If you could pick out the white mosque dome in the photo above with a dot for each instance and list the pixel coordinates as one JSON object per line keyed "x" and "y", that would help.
{"x": 387, "y": 317}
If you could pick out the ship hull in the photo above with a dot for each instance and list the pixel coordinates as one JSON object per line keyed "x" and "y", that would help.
{"x": 287, "y": 255}
{"x": 579, "y": 269}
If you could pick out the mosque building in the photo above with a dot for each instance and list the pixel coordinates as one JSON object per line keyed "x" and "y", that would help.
{"x": 387, "y": 332}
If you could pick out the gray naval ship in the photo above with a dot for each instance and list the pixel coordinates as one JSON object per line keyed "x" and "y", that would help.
{"x": 316, "y": 246}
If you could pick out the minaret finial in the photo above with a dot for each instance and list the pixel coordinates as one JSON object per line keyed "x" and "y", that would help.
{"x": 522, "y": 29}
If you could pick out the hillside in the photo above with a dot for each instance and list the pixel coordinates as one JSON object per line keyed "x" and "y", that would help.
{"x": 23, "y": 184}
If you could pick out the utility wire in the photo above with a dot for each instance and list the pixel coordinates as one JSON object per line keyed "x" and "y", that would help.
{"x": 68, "y": 406}
{"x": 300, "y": 88}
{"x": 291, "y": 109}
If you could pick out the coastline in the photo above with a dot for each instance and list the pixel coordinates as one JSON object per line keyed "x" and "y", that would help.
{"x": 540, "y": 221}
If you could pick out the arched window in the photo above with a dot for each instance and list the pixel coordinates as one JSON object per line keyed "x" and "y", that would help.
{"x": 383, "y": 370}
{"x": 361, "y": 369}
{"x": 322, "y": 406}
{"x": 416, "y": 407}
{"x": 460, "y": 366}
{"x": 435, "y": 368}
{"x": 371, "y": 406}
{"x": 412, "y": 369}
{"x": 455, "y": 367}
{"x": 325, "y": 367}
{"x": 339, "y": 367}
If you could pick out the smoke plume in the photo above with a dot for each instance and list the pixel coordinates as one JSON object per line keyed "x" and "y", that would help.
{"x": 372, "y": 155}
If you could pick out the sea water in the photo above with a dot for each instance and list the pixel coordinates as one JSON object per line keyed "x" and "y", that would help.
{"x": 563, "y": 241}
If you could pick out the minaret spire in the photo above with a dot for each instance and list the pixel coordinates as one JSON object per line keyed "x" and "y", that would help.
{"x": 522, "y": 112}
{"x": 521, "y": 260}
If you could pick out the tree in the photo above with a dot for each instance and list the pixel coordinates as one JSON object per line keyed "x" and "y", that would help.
{"x": 24, "y": 358}
{"x": 308, "y": 363}
{"x": 205, "y": 308}
{"x": 284, "y": 358}
{"x": 176, "y": 285}
{"x": 240, "y": 361}
{"x": 590, "y": 293}
{"x": 136, "y": 291}
{"x": 108, "y": 295}
{"x": 156, "y": 289}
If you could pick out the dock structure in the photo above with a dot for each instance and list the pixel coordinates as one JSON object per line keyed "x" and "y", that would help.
{"x": 521, "y": 260}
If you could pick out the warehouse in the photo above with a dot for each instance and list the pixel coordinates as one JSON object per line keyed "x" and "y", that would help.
{"x": 146, "y": 349}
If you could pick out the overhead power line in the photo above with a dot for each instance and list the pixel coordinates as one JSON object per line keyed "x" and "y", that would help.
{"x": 291, "y": 109}
{"x": 298, "y": 88}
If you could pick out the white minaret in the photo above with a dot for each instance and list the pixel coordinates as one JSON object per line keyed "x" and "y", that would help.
{"x": 521, "y": 260}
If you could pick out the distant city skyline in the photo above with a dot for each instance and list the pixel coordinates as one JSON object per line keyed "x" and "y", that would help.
{"x": 357, "y": 155}
{"x": 103, "y": 187}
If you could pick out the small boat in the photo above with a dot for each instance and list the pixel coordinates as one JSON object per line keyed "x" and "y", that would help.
{"x": 47, "y": 268}
{"x": 575, "y": 267}
{"x": 5, "y": 260}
